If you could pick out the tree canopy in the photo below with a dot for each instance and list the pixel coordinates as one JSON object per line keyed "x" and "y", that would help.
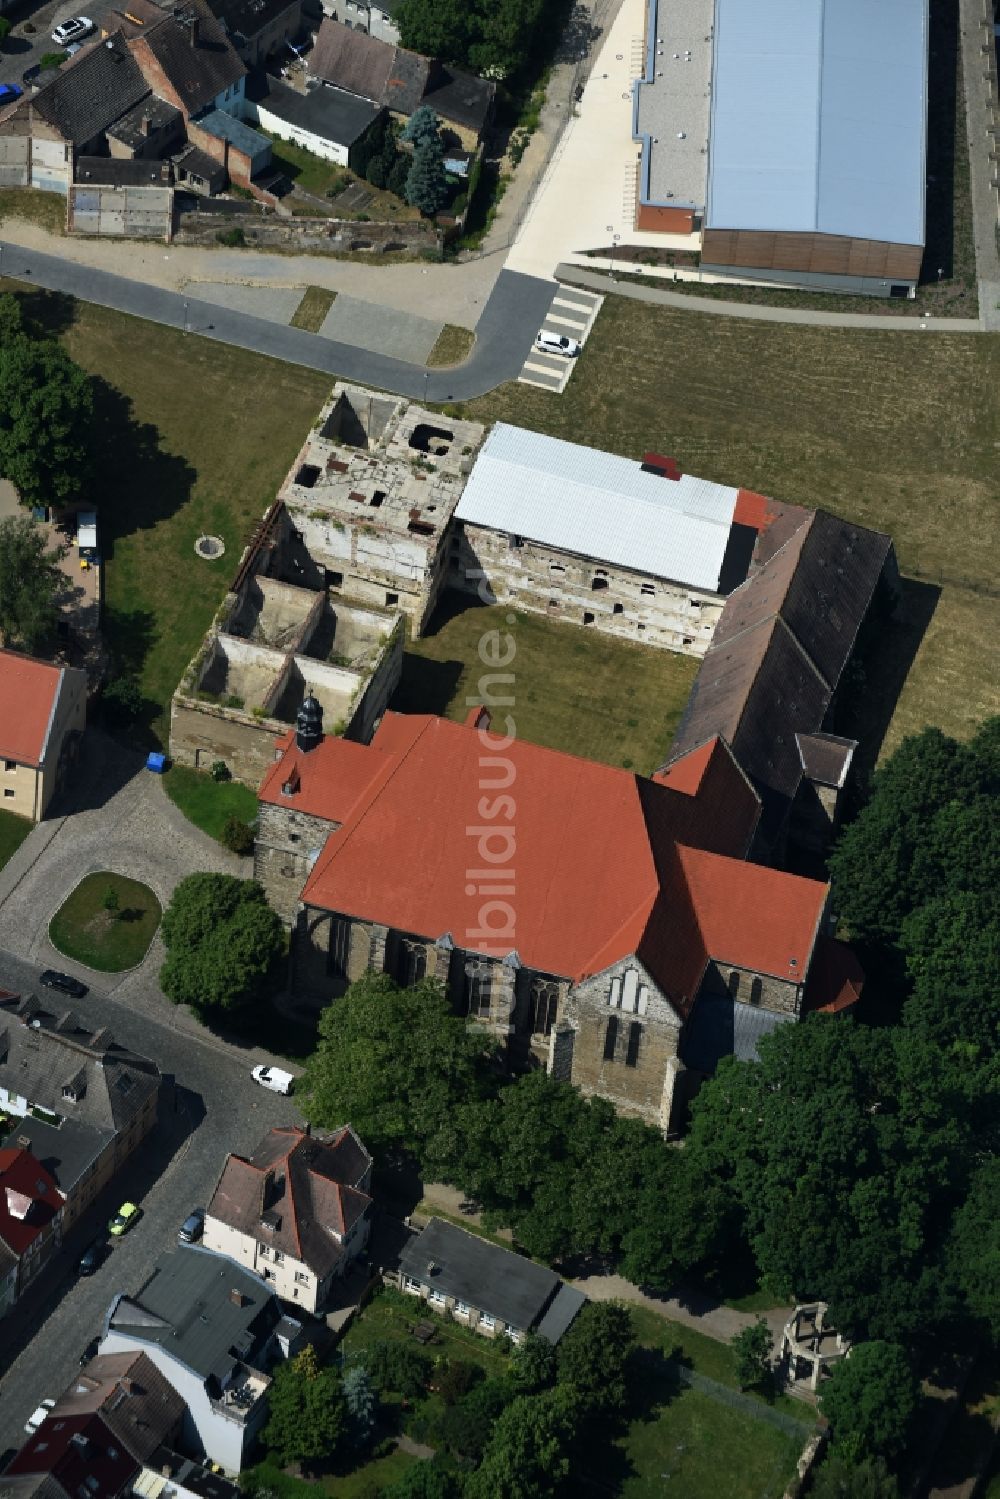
{"x": 495, "y": 38}
{"x": 398, "y": 1063}
{"x": 426, "y": 181}
{"x": 30, "y": 580}
{"x": 46, "y": 413}
{"x": 527, "y": 1456}
{"x": 870, "y": 1400}
{"x": 593, "y": 1356}
{"x": 308, "y": 1414}
{"x": 223, "y": 942}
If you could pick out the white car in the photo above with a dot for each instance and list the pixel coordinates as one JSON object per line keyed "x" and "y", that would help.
{"x": 557, "y": 343}
{"x": 73, "y": 30}
{"x": 36, "y": 1418}
{"x": 273, "y": 1078}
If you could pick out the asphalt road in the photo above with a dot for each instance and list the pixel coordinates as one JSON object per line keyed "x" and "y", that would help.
{"x": 512, "y": 316}
{"x": 210, "y": 1106}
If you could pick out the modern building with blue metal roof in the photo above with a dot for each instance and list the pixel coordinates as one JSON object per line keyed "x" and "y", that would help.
{"x": 816, "y": 144}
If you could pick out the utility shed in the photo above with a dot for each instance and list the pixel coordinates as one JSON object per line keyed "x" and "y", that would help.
{"x": 818, "y": 142}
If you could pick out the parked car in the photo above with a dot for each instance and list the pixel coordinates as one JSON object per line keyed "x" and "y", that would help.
{"x": 64, "y": 982}
{"x": 9, "y": 92}
{"x": 92, "y": 1258}
{"x": 273, "y": 1078}
{"x": 557, "y": 343}
{"x": 36, "y": 1418}
{"x": 90, "y": 1351}
{"x": 127, "y": 1215}
{"x": 192, "y": 1227}
{"x": 73, "y": 30}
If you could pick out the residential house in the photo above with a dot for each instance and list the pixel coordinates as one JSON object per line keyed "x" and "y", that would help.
{"x": 490, "y": 1289}
{"x": 70, "y": 1456}
{"x": 325, "y": 121}
{"x": 402, "y": 81}
{"x": 31, "y": 1206}
{"x": 376, "y": 17}
{"x": 43, "y": 713}
{"x": 212, "y": 1329}
{"x": 259, "y": 28}
{"x": 297, "y": 1211}
{"x": 81, "y": 1103}
{"x": 126, "y": 1392}
{"x": 187, "y": 59}
{"x": 628, "y": 945}
{"x": 168, "y": 1475}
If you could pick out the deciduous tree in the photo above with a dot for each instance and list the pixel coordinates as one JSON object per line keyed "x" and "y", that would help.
{"x": 527, "y": 1456}
{"x": 223, "y": 942}
{"x": 593, "y": 1356}
{"x": 46, "y": 413}
{"x": 30, "y": 580}
{"x": 870, "y": 1400}
{"x": 307, "y": 1410}
{"x": 753, "y": 1346}
{"x": 837, "y": 1478}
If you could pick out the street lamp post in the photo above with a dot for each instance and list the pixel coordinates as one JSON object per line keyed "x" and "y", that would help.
{"x": 614, "y": 244}
{"x": 185, "y": 317}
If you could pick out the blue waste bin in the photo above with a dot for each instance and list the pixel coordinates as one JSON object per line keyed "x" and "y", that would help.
{"x": 156, "y": 762}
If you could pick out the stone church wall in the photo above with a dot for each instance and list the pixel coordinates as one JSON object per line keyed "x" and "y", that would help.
{"x": 285, "y": 848}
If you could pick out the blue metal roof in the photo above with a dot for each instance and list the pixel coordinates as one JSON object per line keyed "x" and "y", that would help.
{"x": 819, "y": 117}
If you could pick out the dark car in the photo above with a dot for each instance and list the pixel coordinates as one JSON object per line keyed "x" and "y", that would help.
{"x": 91, "y": 1260}
{"x": 52, "y": 979}
{"x": 192, "y": 1227}
{"x": 90, "y": 1351}
{"x": 8, "y": 93}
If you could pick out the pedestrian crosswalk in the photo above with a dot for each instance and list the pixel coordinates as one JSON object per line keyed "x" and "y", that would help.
{"x": 572, "y": 313}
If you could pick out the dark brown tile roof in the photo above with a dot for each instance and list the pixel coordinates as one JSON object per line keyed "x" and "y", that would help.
{"x": 407, "y": 82}
{"x": 826, "y": 758}
{"x": 294, "y": 1190}
{"x": 459, "y": 98}
{"x": 135, "y": 1402}
{"x": 351, "y": 60}
{"x": 194, "y": 53}
{"x": 96, "y": 88}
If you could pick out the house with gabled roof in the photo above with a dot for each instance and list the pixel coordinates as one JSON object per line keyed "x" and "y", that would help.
{"x": 43, "y": 713}
{"x": 587, "y": 915}
{"x": 297, "y": 1211}
{"x": 31, "y": 1207}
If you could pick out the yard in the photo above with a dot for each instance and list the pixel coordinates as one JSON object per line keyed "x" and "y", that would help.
{"x": 393, "y": 1315}
{"x": 208, "y": 803}
{"x": 895, "y": 430}
{"x": 13, "y": 831}
{"x": 573, "y": 690}
{"x": 109, "y": 939}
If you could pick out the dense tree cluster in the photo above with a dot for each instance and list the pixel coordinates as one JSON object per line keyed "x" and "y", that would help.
{"x": 30, "y": 580}
{"x": 494, "y": 38}
{"x": 46, "y": 414}
{"x": 223, "y": 943}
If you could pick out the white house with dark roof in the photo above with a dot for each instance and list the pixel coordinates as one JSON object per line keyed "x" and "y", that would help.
{"x": 490, "y": 1289}
{"x": 296, "y": 1212}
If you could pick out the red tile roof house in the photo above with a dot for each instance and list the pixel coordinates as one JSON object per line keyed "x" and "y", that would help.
{"x": 43, "y": 712}
{"x": 31, "y": 1207}
{"x": 606, "y": 923}
{"x": 296, "y": 1212}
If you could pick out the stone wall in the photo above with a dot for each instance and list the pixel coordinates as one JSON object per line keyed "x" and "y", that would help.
{"x": 121, "y": 212}
{"x": 286, "y": 843}
{"x": 770, "y": 993}
{"x": 201, "y": 733}
{"x": 615, "y": 600}
{"x": 319, "y": 236}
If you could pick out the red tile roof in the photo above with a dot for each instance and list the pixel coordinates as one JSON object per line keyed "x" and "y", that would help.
{"x": 328, "y": 780}
{"x": 753, "y": 916}
{"x": 76, "y": 1450}
{"x": 836, "y": 978}
{"x": 457, "y": 829}
{"x": 28, "y": 691}
{"x": 29, "y": 1199}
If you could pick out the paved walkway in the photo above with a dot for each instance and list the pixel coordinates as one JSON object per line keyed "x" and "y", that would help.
{"x": 870, "y": 322}
{"x": 117, "y": 817}
{"x": 984, "y": 200}
{"x": 508, "y": 323}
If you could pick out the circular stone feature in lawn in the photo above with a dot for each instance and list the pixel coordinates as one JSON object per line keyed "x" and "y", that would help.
{"x": 107, "y": 923}
{"x": 210, "y": 547}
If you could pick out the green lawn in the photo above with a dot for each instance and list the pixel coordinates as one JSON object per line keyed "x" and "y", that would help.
{"x": 453, "y": 346}
{"x": 364, "y": 1483}
{"x": 894, "y": 430}
{"x": 13, "y": 831}
{"x": 575, "y": 690}
{"x": 208, "y": 803}
{"x": 107, "y": 940}
{"x": 705, "y": 1356}
{"x": 312, "y": 310}
{"x": 686, "y": 1443}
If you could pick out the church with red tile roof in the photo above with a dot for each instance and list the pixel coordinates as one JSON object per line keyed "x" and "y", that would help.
{"x": 607, "y": 924}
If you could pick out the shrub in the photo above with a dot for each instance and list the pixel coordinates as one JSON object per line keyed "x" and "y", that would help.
{"x": 221, "y": 771}
{"x": 237, "y": 835}
{"x": 396, "y": 182}
{"x": 122, "y": 702}
{"x": 396, "y": 1366}
{"x": 233, "y": 238}
{"x": 52, "y": 60}
{"x": 375, "y": 172}
{"x": 454, "y": 1378}
{"x": 5, "y": 29}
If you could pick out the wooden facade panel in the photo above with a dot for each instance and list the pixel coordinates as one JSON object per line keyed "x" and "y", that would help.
{"x": 820, "y": 254}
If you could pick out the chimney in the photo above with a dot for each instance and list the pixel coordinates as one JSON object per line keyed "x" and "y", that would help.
{"x": 24, "y": 1141}
{"x": 236, "y": 1297}
{"x": 195, "y": 30}
{"x": 309, "y": 725}
{"x": 146, "y": 126}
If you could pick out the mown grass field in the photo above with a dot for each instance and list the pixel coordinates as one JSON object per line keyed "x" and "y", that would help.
{"x": 13, "y": 831}
{"x": 208, "y": 803}
{"x": 109, "y": 941}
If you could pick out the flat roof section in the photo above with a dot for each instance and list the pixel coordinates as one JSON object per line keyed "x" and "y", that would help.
{"x": 819, "y": 118}
{"x": 597, "y": 505}
{"x": 672, "y": 103}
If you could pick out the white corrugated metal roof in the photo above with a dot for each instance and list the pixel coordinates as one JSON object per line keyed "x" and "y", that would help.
{"x": 577, "y": 499}
{"x": 819, "y": 112}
